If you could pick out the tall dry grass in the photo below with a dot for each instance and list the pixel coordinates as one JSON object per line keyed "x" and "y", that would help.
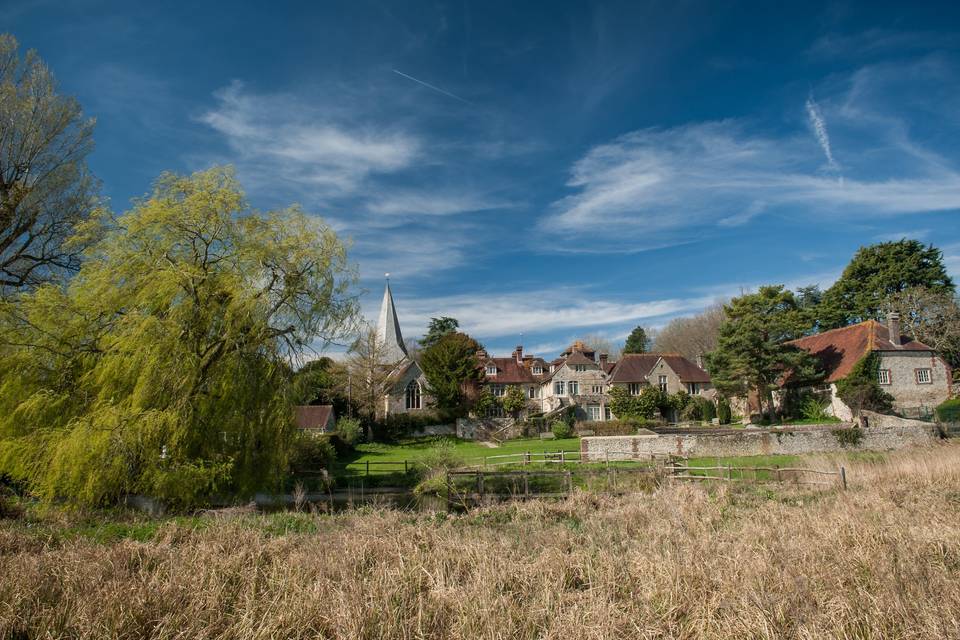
{"x": 881, "y": 560}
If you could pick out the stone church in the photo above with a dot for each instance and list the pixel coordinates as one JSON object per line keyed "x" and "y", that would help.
{"x": 407, "y": 390}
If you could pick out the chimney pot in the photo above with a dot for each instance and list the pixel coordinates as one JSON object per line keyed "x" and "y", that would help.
{"x": 603, "y": 358}
{"x": 893, "y": 327}
{"x": 519, "y": 353}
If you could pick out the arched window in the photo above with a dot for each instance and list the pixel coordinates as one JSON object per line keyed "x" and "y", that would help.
{"x": 413, "y": 395}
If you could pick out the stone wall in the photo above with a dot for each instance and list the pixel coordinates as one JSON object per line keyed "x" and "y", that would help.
{"x": 436, "y": 430}
{"x": 480, "y": 428}
{"x": 882, "y": 434}
{"x": 903, "y": 385}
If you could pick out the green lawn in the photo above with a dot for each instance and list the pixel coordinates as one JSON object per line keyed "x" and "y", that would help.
{"x": 414, "y": 450}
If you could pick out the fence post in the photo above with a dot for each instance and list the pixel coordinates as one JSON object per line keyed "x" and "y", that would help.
{"x": 526, "y": 484}
{"x": 526, "y": 457}
{"x": 480, "y": 483}
{"x": 569, "y": 483}
{"x": 562, "y": 456}
{"x": 449, "y": 490}
{"x": 843, "y": 477}
{"x": 777, "y": 467}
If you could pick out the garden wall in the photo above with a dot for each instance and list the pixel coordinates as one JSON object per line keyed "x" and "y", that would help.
{"x": 882, "y": 434}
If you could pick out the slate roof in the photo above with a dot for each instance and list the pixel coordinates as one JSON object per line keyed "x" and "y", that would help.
{"x": 635, "y": 367}
{"x": 313, "y": 417}
{"x": 388, "y": 329}
{"x": 838, "y": 350}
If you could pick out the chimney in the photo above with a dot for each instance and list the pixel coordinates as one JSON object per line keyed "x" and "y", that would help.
{"x": 603, "y": 359}
{"x": 700, "y": 361}
{"x": 518, "y": 352}
{"x": 893, "y": 326}
{"x": 482, "y": 355}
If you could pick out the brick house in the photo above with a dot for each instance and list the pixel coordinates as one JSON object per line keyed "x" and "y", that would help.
{"x": 910, "y": 371}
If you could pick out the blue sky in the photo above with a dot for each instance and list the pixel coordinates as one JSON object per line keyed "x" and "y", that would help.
{"x": 552, "y": 169}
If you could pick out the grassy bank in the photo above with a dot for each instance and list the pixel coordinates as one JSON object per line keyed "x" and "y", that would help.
{"x": 880, "y": 560}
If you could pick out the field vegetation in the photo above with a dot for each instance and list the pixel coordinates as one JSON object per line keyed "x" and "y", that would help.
{"x": 880, "y": 560}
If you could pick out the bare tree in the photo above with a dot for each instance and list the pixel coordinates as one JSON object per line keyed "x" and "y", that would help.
{"x": 931, "y": 317}
{"x": 691, "y": 336}
{"x": 46, "y": 192}
{"x": 602, "y": 344}
{"x": 370, "y": 372}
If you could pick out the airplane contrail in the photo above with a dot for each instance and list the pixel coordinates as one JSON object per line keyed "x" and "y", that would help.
{"x": 430, "y": 86}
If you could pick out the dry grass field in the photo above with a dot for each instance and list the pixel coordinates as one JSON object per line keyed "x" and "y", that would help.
{"x": 881, "y": 560}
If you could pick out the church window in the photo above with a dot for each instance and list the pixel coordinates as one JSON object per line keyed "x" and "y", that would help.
{"x": 413, "y": 395}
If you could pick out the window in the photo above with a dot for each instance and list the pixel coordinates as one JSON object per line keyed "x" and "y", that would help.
{"x": 597, "y": 389}
{"x": 606, "y": 414}
{"x": 883, "y": 376}
{"x": 580, "y": 367}
{"x": 594, "y": 411}
{"x": 663, "y": 383}
{"x": 538, "y": 370}
{"x": 491, "y": 369}
{"x": 498, "y": 390}
{"x": 693, "y": 388}
{"x": 573, "y": 388}
{"x": 413, "y": 395}
{"x": 558, "y": 387}
{"x": 496, "y": 411}
{"x": 924, "y": 376}
{"x": 533, "y": 392}
{"x": 634, "y": 388}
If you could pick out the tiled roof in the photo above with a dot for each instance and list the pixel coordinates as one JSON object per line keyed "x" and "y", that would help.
{"x": 578, "y": 358}
{"x": 838, "y": 350}
{"x": 509, "y": 371}
{"x": 314, "y": 417}
{"x": 635, "y": 367}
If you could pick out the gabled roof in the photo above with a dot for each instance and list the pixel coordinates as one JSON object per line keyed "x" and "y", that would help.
{"x": 636, "y": 367}
{"x": 838, "y": 350}
{"x": 577, "y": 357}
{"x": 313, "y": 417}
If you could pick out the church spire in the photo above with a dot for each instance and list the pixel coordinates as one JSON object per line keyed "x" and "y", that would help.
{"x": 388, "y": 328}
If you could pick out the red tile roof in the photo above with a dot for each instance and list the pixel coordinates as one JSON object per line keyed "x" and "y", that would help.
{"x": 635, "y": 367}
{"x": 838, "y": 350}
{"x": 313, "y": 417}
{"x": 509, "y": 371}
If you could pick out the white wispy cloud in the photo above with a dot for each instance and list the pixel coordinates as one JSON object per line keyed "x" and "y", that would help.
{"x": 431, "y": 203}
{"x": 306, "y": 145}
{"x": 819, "y": 126}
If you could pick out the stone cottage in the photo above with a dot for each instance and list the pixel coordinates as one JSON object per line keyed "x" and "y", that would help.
{"x": 910, "y": 371}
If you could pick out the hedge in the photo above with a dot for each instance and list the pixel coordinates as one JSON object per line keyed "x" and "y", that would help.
{"x": 949, "y": 411}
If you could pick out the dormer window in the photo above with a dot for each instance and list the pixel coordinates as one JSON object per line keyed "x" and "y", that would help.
{"x": 538, "y": 370}
{"x": 491, "y": 369}
{"x": 580, "y": 367}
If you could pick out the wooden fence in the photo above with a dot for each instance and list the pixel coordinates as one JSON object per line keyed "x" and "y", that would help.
{"x": 774, "y": 474}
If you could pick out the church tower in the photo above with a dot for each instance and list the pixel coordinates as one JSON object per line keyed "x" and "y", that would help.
{"x": 388, "y": 328}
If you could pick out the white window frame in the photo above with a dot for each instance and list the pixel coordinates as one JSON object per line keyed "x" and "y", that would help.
{"x": 579, "y": 368}
{"x": 924, "y": 376}
{"x": 491, "y": 370}
{"x": 883, "y": 377}
{"x": 607, "y": 414}
{"x": 413, "y": 398}
{"x": 693, "y": 388}
{"x": 573, "y": 388}
{"x": 662, "y": 383}
{"x": 634, "y": 388}
{"x": 538, "y": 370}
{"x": 533, "y": 392}
{"x": 498, "y": 390}
{"x": 594, "y": 411}
{"x": 598, "y": 389}
{"x": 559, "y": 387}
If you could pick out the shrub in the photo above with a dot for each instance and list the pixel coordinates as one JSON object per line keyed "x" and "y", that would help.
{"x": 311, "y": 452}
{"x": 398, "y": 426}
{"x": 349, "y": 430}
{"x": 723, "y": 411}
{"x": 860, "y": 390}
{"x": 812, "y": 408}
{"x": 436, "y": 462}
{"x": 949, "y": 410}
{"x": 612, "y": 427}
{"x": 561, "y": 430}
{"x": 698, "y": 408}
{"x": 848, "y": 437}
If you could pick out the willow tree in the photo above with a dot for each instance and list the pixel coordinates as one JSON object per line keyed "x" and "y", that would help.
{"x": 162, "y": 368}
